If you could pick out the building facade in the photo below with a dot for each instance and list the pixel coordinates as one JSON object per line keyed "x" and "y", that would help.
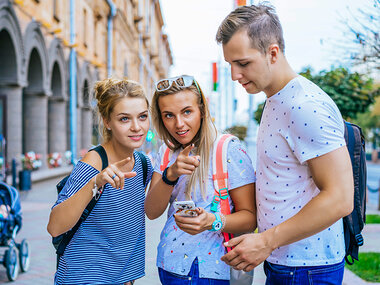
{"x": 37, "y": 39}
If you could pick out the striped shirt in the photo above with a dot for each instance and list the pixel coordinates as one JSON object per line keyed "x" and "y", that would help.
{"x": 109, "y": 246}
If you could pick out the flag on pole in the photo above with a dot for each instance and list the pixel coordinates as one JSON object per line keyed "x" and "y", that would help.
{"x": 241, "y": 2}
{"x": 214, "y": 76}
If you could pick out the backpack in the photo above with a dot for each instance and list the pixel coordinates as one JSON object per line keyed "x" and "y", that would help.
{"x": 60, "y": 242}
{"x": 353, "y": 224}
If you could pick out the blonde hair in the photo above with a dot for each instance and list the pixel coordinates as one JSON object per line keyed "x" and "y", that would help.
{"x": 203, "y": 140}
{"x": 108, "y": 93}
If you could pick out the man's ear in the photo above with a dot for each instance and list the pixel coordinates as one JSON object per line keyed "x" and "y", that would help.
{"x": 273, "y": 52}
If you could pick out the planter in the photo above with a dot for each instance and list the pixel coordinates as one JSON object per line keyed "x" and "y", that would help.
{"x": 25, "y": 179}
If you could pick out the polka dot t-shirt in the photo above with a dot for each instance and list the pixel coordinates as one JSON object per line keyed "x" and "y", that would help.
{"x": 299, "y": 123}
{"x": 177, "y": 249}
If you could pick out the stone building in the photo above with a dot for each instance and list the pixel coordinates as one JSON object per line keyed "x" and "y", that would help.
{"x": 109, "y": 37}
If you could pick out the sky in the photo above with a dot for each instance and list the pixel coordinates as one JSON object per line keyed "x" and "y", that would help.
{"x": 312, "y": 29}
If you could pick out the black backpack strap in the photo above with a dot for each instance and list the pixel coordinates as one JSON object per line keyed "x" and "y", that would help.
{"x": 144, "y": 164}
{"x": 352, "y": 223}
{"x": 69, "y": 234}
{"x": 103, "y": 155}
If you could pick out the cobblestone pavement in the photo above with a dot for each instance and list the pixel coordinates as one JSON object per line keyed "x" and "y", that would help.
{"x": 36, "y": 205}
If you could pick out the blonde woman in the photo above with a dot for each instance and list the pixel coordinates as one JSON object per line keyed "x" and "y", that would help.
{"x": 191, "y": 247}
{"x": 109, "y": 246}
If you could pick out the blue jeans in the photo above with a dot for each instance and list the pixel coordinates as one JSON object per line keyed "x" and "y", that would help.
{"x": 313, "y": 275}
{"x": 169, "y": 278}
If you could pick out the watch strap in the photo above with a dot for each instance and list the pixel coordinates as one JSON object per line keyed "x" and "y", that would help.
{"x": 166, "y": 180}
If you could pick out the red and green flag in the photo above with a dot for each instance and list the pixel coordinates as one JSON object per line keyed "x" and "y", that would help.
{"x": 214, "y": 76}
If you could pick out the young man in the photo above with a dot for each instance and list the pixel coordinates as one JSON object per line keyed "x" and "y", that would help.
{"x": 304, "y": 176}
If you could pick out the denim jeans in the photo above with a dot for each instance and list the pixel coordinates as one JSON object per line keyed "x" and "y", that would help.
{"x": 169, "y": 278}
{"x": 313, "y": 275}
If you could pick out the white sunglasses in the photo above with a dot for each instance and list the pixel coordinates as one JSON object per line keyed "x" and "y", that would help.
{"x": 183, "y": 81}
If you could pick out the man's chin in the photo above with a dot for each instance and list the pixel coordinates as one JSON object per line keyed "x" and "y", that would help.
{"x": 252, "y": 91}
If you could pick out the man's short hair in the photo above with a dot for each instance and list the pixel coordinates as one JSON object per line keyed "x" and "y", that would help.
{"x": 261, "y": 23}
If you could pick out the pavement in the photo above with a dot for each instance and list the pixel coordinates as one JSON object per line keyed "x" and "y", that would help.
{"x": 36, "y": 205}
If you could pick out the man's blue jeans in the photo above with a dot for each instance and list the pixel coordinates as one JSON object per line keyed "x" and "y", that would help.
{"x": 169, "y": 278}
{"x": 316, "y": 275}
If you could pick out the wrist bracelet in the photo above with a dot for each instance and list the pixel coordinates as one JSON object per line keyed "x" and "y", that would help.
{"x": 166, "y": 180}
{"x": 95, "y": 188}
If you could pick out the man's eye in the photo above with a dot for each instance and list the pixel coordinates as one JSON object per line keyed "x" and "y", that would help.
{"x": 168, "y": 116}
{"x": 187, "y": 112}
{"x": 243, "y": 64}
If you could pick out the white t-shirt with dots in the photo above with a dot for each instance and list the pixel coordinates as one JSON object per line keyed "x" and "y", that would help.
{"x": 299, "y": 123}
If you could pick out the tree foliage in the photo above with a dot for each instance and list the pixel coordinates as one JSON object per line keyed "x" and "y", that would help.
{"x": 259, "y": 112}
{"x": 238, "y": 131}
{"x": 353, "y": 93}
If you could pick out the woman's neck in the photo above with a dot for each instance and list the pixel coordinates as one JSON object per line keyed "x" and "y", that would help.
{"x": 117, "y": 152}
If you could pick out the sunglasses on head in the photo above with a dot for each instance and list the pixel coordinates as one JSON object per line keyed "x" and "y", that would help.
{"x": 183, "y": 81}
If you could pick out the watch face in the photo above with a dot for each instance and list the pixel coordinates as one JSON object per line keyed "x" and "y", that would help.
{"x": 217, "y": 225}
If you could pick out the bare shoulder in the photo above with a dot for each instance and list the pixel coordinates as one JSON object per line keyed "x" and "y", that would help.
{"x": 93, "y": 158}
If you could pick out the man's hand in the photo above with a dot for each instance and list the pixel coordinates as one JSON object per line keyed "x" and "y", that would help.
{"x": 250, "y": 250}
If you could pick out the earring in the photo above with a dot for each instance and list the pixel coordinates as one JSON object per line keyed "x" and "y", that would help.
{"x": 109, "y": 129}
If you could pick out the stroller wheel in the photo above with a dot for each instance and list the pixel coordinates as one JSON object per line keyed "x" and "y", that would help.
{"x": 11, "y": 263}
{"x": 24, "y": 255}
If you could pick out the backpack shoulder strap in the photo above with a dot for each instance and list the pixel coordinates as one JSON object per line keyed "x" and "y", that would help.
{"x": 103, "y": 155}
{"x": 166, "y": 157}
{"x": 144, "y": 164}
{"x": 220, "y": 178}
{"x": 86, "y": 212}
{"x": 219, "y": 167}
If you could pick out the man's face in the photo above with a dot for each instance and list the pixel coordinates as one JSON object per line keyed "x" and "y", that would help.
{"x": 249, "y": 66}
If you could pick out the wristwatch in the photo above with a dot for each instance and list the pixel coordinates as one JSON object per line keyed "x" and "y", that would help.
{"x": 217, "y": 224}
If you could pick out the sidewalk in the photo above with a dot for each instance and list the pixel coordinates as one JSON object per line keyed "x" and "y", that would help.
{"x": 36, "y": 205}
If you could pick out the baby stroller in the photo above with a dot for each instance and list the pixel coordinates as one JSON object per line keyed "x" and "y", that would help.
{"x": 10, "y": 224}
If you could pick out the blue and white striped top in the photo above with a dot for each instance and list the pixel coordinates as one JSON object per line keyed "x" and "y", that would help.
{"x": 109, "y": 246}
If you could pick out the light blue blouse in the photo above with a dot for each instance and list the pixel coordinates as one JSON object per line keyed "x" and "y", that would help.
{"x": 177, "y": 249}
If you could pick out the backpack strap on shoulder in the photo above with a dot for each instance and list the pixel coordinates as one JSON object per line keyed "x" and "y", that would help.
{"x": 86, "y": 212}
{"x": 165, "y": 158}
{"x": 103, "y": 155}
{"x": 144, "y": 165}
{"x": 220, "y": 178}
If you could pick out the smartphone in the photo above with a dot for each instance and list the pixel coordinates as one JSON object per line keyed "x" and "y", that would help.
{"x": 185, "y": 208}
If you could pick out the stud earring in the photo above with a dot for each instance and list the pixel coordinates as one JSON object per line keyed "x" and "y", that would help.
{"x": 109, "y": 129}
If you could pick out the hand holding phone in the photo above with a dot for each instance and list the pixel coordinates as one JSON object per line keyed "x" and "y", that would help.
{"x": 185, "y": 208}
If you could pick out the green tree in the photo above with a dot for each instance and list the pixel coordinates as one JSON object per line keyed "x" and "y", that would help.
{"x": 238, "y": 131}
{"x": 353, "y": 93}
{"x": 259, "y": 112}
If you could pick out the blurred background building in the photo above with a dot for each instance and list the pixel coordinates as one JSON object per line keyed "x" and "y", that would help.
{"x": 52, "y": 52}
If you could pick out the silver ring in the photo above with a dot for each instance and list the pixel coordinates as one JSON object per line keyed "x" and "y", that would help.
{"x": 113, "y": 176}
